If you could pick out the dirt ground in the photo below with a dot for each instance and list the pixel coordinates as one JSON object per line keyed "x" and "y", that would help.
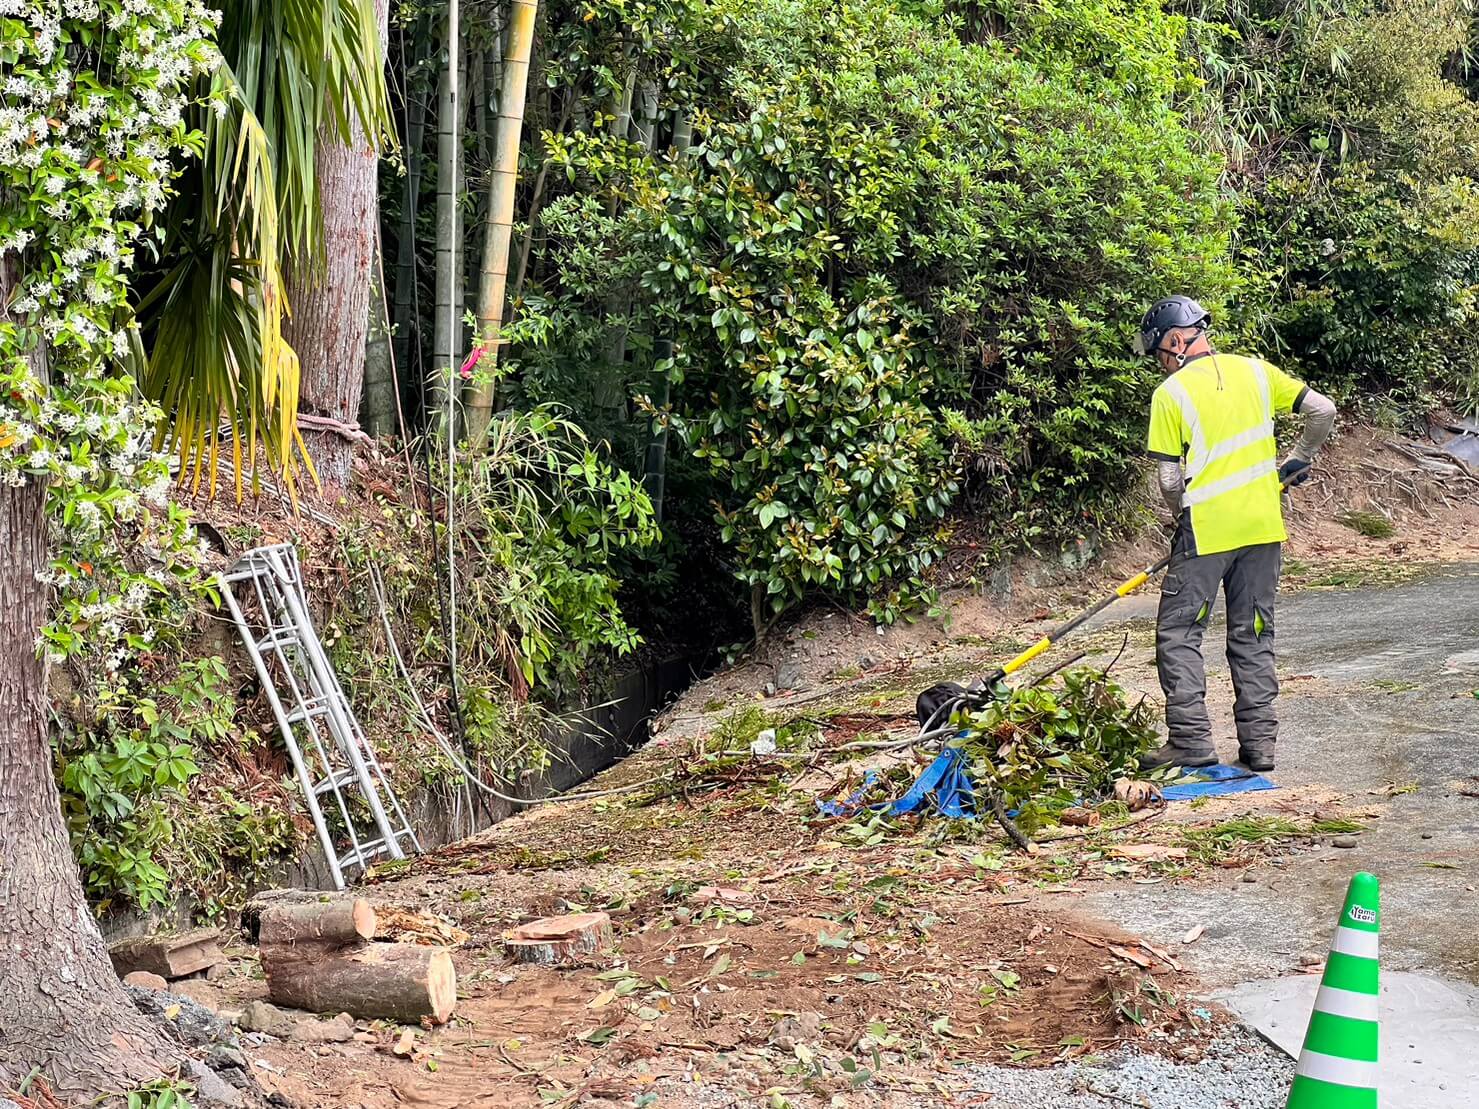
{"x": 764, "y": 953}
{"x": 768, "y": 955}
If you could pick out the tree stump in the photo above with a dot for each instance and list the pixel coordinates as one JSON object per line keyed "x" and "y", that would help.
{"x": 319, "y": 956}
{"x": 556, "y": 939}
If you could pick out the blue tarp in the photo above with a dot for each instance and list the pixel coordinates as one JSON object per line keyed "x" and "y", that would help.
{"x": 946, "y": 787}
{"x": 1216, "y": 781}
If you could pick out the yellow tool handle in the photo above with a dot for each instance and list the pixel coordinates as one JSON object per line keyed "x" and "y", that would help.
{"x": 1028, "y": 655}
{"x": 1133, "y": 584}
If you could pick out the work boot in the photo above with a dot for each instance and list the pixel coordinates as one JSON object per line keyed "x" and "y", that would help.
{"x": 1257, "y": 761}
{"x": 1168, "y": 754}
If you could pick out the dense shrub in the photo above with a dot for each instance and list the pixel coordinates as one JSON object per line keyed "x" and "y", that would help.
{"x": 883, "y": 217}
{"x": 1360, "y": 207}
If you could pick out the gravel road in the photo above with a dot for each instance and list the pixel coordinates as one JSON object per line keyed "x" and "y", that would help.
{"x": 1240, "y": 1071}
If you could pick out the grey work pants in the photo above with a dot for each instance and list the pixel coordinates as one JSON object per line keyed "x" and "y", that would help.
{"x": 1250, "y": 578}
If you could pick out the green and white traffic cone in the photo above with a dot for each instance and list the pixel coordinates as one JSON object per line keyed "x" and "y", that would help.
{"x": 1337, "y": 1068}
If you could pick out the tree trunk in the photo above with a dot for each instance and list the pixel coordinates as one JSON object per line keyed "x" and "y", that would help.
{"x": 64, "y": 1009}
{"x": 378, "y": 405}
{"x": 655, "y": 470}
{"x": 655, "y": 465}
{"x": 536, "y": 197}
{"x": 501, "y": 191}
{"x": 610, "y": 394}
{"x": 331, "y": 305}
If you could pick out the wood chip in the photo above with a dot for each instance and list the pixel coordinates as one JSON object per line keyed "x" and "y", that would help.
{"x": 1141, "y": 961}
{"x": 1194, "y": 935}
{"x": 1163, "y": 956}
{"x": 422, "y": 928}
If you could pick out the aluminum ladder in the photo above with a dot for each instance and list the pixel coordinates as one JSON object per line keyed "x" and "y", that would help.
{"x": 332, "y": 757}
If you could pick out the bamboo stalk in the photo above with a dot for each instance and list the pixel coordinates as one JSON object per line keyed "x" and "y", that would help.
{"x": 502, "y": 188}
{"x": 446, "y": 332}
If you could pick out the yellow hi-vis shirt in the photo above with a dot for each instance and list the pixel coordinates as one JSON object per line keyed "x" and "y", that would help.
{"x": 1216, "y": 415}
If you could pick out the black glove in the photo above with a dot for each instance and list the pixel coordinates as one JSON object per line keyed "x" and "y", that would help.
{"x": 1294, "y": 471}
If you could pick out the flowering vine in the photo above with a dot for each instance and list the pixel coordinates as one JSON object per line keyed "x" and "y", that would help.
{"x": 93, "y": 97}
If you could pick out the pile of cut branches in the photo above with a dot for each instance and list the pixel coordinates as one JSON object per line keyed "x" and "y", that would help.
{"x": 1042, "y": 749}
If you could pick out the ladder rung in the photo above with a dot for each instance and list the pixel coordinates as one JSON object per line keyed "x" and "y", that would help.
{"x": 366, "y": 854}
{"x": 315, "y": 708}
{"x": 344, "y": 776}
{"x": 278, "y": 587}
{"x": 284, "y": 636}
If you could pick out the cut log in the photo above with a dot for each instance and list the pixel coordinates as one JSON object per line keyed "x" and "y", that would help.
{"x": 558, "y": 938}
{"x": 168, "y": 956}
{"x": 398, "y": 981}
{"x": 261, "y": 901}
{"x": 343, "y": 923}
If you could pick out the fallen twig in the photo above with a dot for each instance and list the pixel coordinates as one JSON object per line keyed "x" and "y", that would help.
{"x": 799, "y": 868}
{"x": 507, "y": 1058}
{"x": 1017, "y": 836}
{"x": 1097, "y": 1092}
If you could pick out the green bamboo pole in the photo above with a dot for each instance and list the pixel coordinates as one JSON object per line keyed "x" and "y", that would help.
{"x": 505, "y": 179}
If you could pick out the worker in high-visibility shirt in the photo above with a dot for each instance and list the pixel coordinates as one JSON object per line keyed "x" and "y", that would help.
{"x": 1212, "y": 432}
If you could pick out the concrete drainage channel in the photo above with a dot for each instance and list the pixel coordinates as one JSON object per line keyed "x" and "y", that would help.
{"x": 594, "y": 739}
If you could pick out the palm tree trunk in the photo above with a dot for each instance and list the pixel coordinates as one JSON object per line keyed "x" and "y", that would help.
{"x": 331, "y": 304}
{"x": 447, "y": 325}
{"x": 501, "y": 192}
